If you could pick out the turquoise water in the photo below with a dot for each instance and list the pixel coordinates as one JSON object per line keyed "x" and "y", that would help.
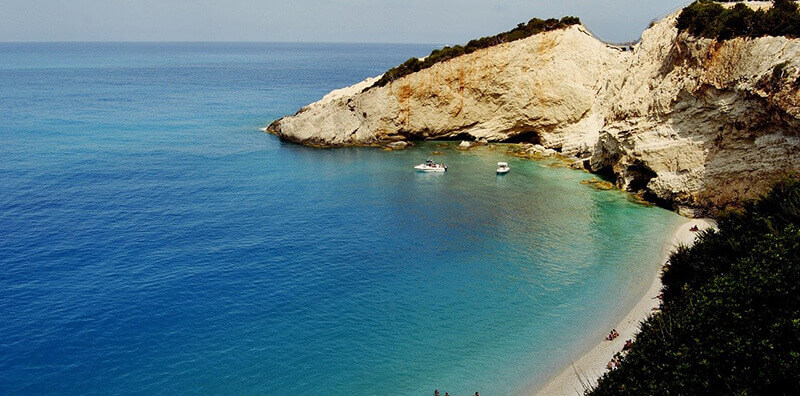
{"x": 152, "y": 240}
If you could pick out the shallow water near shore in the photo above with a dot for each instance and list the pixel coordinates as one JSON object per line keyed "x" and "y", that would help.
{"x": 152, "y": 240}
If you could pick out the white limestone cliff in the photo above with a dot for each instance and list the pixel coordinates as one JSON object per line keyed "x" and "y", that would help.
{"x": 696, "y": 123}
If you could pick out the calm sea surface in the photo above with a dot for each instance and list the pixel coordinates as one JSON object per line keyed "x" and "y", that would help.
{"x": 153, "y": 240}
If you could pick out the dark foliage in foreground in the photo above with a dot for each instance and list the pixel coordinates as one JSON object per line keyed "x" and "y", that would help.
{"x": 730, "y": 318}
{"x": 705, "y": 18}
{"x": 534, "y": 26}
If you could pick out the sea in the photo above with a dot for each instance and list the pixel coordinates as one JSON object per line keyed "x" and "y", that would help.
{"x": 154, "y": 241}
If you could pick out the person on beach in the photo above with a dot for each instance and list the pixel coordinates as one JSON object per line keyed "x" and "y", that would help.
{"x": 628, "y": 345}
{"x": 617, "y": 360}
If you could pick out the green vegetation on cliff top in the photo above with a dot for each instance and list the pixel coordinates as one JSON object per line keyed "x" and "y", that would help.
{"x": 523, "y": 30}
{"x": 730, "y": 316}
{"x": 705, "y": 18}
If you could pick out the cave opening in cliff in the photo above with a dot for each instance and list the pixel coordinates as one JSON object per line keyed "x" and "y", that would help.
{"x": 451, "y": 138}
{"x": 638, "y": 177}
{"x": 606, "y": 174}
{"x": 654, "y": 199}
{"x": 525, "y": 137}
{"x": 462, "y": 136}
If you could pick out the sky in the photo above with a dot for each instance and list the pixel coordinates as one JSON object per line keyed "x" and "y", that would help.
{"x": 381, "y": 21}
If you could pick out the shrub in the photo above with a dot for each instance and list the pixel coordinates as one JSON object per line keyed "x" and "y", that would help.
{"x": 706, "y": 18}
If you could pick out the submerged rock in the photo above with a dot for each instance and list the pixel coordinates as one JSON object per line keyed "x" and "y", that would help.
{"x": 399, "y": 145}
{"x": 598, "y": 184}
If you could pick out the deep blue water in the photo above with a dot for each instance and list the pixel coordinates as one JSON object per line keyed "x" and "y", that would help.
{"x": 153, "y": 240}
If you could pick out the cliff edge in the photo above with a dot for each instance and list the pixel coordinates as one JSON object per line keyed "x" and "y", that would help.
{"x": 695, "y": 123}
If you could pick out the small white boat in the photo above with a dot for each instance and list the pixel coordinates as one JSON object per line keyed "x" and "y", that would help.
{"x": 502, "y": 168}
{"x": 430, "y": 166}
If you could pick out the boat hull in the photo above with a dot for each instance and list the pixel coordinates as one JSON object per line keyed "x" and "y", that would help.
{"x": 428, "y": 168}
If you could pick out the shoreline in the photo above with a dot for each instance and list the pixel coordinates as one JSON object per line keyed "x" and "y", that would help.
{"x": 584, "y": 372}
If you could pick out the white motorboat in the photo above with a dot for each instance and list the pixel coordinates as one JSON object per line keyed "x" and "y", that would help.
{"x": 502, "y": 168}
{"x": 430, "y": 166}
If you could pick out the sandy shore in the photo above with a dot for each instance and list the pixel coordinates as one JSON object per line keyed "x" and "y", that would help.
{"x": 584, "y": 372}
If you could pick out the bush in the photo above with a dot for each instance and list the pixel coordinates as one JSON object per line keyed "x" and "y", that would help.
{"x": 705, "y": 18}
{"x": 730, "y": 317}
{"x": 523, "y": 30}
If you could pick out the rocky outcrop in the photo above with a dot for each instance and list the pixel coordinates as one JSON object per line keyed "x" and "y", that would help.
{"x": 691, "y": 122}
{"x": 517, "y": 89}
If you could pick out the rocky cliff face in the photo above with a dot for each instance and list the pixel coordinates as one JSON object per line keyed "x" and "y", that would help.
{"x": 692, "y": 122}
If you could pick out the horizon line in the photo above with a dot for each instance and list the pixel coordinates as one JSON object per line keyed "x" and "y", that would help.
{"x": 207, "y": 42}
